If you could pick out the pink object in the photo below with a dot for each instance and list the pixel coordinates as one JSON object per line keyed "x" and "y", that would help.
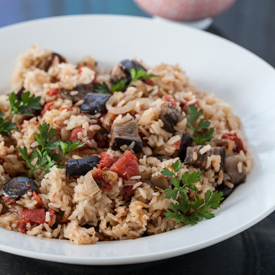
{"x": 184, "y": 10}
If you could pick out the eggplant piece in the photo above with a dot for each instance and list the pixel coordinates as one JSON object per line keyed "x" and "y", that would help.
{"x": 127, "y": 65}
{"x": 201, "y": 160}
{"x": 125, "y": 134}
{"x": 18, "y": 186}
{"x": 19, "y": 93}
{"x": 46, "y": 62}
{"x": 225, "y": 190}
{"x": 80, "y": 167}
{"x": 94, "y": 103}
{"x": 232, "y": 170}
{"x": 170, "y": 116}
{"x": 185, "y": 142}
{"x": 82, "y": 89}
{"x": 160, "y": 181}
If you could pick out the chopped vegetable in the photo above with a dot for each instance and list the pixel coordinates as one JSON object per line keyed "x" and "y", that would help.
{"x": 119, "y": 86}
{"x": 19, "y": 104}
{"x": 18, "y": 186}
{"x": 206, "y": 134}
{"x": 94, "y": 103}
{"x": 34, "y": 215}
{"x": 126, "y": 166}
{"x": 170, "y": 116}
{"x": 43, "y": 155}
{"x": 126, "y": 134}
{"x": 106, "y": 160}
{"x": 77, "y": 167}
{"x": 184, "y": 210}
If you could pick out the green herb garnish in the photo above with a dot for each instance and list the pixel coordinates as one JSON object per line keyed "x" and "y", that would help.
{"x": 139, "y": 74}
{"x": 45, "y": 159}
{"x": 119, "y": 86}
{"x": 18, "y": 106}
{"x": 206, "y": 134}
{"x": 102, "y": 88}
{"x": 184, "y": 210}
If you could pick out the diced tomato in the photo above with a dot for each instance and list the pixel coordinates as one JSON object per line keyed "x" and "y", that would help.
{"x": 238, "y": 141}
{"x": 84, "y": 66}
{"x": 177, "y": 145}
{"x": 101, "y": 138}
{"x": 35, "y": 215}
{"x": 22, "y": 223}
{"x": 38, "y": 199}
{"x": 98, "y": 175}
{"x": 106, "y": 160}
{"x": 74, "y": 137}
{"x": 128, "y": 191}
{"x": 170, "y": 100}
{"x": 149, "y": 82}
{"x": 162, "y": 213}
{"x": 108, "y": 186}
{"x": 47, "y": 107}
{"x": 53, "y": 92}
{"x": 67, "y": 109}
{"x": 126, "y": 166}
{"x": 8, "y": 200}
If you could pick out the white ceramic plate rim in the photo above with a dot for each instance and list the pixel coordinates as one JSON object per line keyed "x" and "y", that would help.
{"x": 153, "y": 252}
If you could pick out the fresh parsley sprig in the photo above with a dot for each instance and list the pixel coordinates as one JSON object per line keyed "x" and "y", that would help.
{"x": 45, "y": 158}
{"x": 184, "y": 210}
{"x": 18, "y": 106}
{"x": 116, "y": 87}
{"x": 119, "y": 86}
{"x": 139, "y": 74}
{"x": 201, "y": 131}
{"x": 102, "y": 88}
{"x": 5, "y": 125}
{"x": 22, "y": 105}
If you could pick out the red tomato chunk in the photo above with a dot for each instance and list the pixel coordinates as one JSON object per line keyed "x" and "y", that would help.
{"x": 22, "y": 224}
{"x": 127, "y": 166}
{"x": 47, "y": 107}
{"x": 38, "y": 199}
{"x": 74, "y": 137}
{"x": 34, "y": 215}
{"x": 53, "y": 92}
{"x": 238, "y": 141}
{"x": 106, "y": 160}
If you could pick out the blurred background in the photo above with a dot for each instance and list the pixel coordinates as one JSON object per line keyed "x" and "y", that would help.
{"x": 249, "y": 23}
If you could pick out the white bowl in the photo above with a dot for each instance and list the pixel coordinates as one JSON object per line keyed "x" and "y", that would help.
{"x": 216, "y": 65}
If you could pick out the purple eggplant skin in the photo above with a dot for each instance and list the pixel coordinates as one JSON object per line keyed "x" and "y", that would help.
{"x": 94, "y": 103}
{"x": 125, "y": 134}
{"x": 80, "y": 167}
{"x": 82, "y": 89}
{"x": 18, "y": 186}
{"x": 170, "y": 116}
{"x": 185, "y": 142}
{"x": 127, "y": 65}
{"x": 46, "y": 63}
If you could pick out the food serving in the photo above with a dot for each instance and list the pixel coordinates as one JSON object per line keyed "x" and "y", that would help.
{"x": 91, "y": 156}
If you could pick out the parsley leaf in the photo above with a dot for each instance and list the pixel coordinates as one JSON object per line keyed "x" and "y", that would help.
{"x": 102, "y": 88}
{"x": 139, "y": 74}
{"x": 26, "y": 102}
{"x": 184, "y": 210}
{"x": 43, "y": 155}
{"x": 119, "y": 86}
{"x": 18, "y": 106}
{"x": 206, "y": 134}
{"x": 6, "y": 126}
